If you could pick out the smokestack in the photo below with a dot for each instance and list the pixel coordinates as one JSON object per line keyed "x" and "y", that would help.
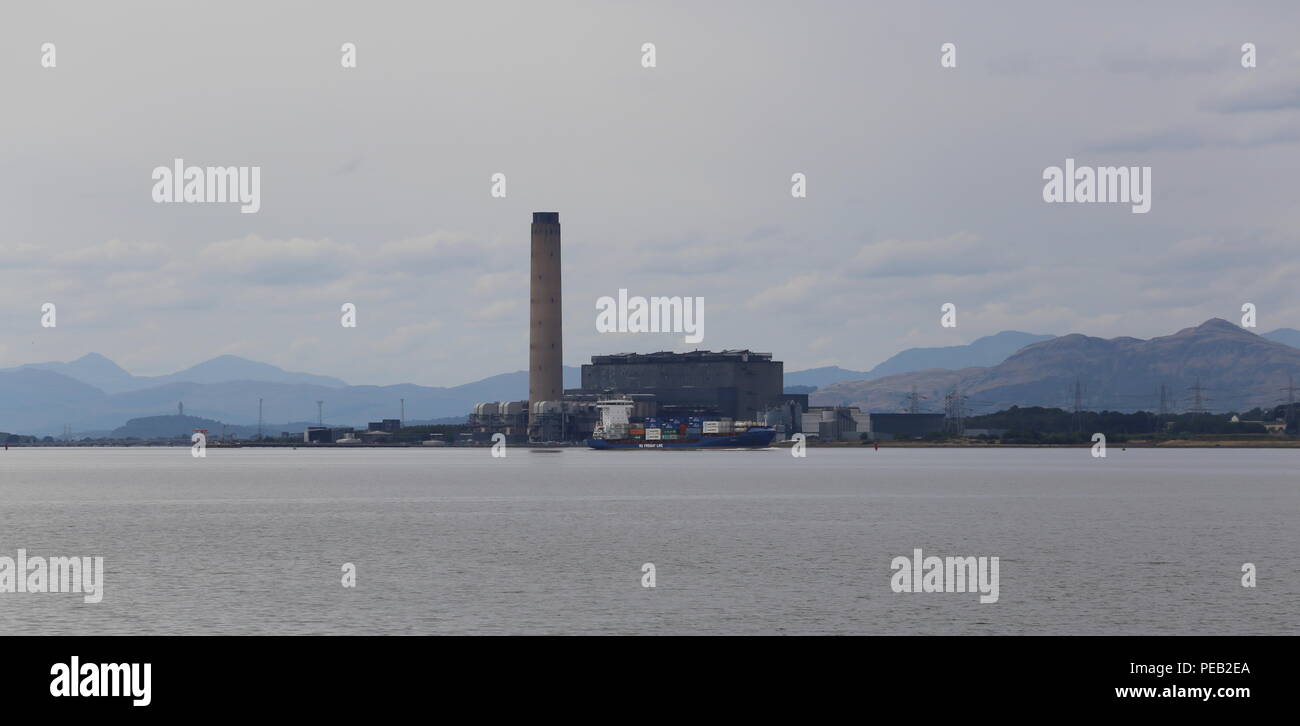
{"x": 545, "y": 340}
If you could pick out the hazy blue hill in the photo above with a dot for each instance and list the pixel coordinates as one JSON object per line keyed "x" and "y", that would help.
{"x": 1239, "y": 370}
{"x": 39, "y": 401}
{"x": 1286, "y": 336}
{"x": 33, "y": 400}
{"x": 510, "y": 386}
{"x": 823, "y": 376}
{"x": 98, "y": 371}
{"x": 226, "y": 368}
{"x": 92, "y": 369}
{"x": 177, "y": 426}
{"x": 986, "y": 351}
{"x": 165, "y": 427}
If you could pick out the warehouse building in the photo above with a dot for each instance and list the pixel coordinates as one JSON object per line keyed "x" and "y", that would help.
{"x": 738, "y": 384}
{"x": 836, "y": 423}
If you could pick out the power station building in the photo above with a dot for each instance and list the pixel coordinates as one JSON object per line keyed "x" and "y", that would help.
{"x": 738, "y": 384}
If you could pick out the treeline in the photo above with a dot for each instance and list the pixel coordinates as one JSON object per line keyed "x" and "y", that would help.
{"x": 7, "y": 438}
{"x": 1036, "y": 424}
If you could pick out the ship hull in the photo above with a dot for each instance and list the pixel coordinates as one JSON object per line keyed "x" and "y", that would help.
{"x": 756, "y": 438}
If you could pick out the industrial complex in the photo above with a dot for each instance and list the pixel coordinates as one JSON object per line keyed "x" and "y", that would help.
{"x": 733, "y": 384}
{"x": 738, "y": 385}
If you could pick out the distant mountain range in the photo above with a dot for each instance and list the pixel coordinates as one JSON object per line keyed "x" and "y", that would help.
{"x": 986, "y": 351}
{"x": 93, "y": 393}
{"x": 1236, "y": 368}
{"x": 102, "y": 373}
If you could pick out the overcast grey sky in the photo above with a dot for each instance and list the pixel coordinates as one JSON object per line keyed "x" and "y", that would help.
{"x": 924, "y": 183}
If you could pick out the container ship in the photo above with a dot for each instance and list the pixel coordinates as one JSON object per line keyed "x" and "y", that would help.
{"x": 617, "y": 430}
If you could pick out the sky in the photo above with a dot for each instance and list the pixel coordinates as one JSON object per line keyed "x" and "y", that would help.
{"x": 924, "y": 183}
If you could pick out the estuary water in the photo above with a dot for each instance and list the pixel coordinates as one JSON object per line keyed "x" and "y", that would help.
{"x": 453, "y": 541}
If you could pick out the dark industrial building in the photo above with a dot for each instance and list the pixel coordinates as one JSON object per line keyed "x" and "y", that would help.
{"x": 317, "y": 435}
{"x": 887, "y": 426}
{"x": 738, "y": 384}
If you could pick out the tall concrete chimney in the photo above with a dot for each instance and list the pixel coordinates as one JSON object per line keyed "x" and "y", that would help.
{"x": 545, "y": 337}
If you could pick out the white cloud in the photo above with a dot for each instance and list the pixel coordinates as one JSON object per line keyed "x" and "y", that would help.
{"x": 409, "y": 338}
{"x": 496, "y": 310}
{"x": 791, "y": 292}
{"x": 959, "y": 252}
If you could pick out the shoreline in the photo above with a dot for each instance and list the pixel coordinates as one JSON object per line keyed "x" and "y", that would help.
{"x": 1171, "y": 444}
{"x": 552, "y": 446}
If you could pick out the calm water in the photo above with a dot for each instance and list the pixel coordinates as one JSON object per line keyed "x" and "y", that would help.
{"x": 454, "y": 541}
